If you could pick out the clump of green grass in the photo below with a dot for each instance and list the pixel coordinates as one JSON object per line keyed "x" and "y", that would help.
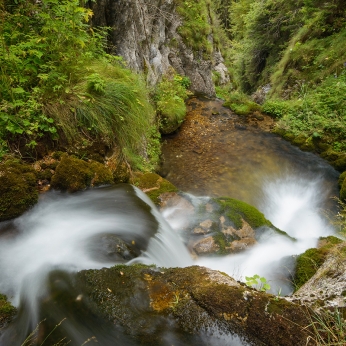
{"x": 329, "y": 328}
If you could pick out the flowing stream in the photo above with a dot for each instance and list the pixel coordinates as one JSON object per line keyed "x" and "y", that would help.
{"x": 65, "y": 233}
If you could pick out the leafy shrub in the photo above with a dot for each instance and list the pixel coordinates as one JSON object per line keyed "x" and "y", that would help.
{"x": 57, "y": 81}
{"x": 170, "y": 101}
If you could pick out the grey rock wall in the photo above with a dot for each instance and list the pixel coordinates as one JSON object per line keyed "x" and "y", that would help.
{"x": 144, "y": 33}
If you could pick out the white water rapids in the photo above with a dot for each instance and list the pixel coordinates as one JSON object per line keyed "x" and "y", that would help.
{"x": 294, "y": 205}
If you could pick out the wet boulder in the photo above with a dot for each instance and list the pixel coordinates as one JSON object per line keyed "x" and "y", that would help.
{"x": 110, "y": 247}
{"x": 18, "y": 189}
{"x": 151, "y": 303}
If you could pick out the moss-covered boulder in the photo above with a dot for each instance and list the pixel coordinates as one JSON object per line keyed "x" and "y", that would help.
{"x": 153, "y": 185}
{"x": 73, "y": 174}
{"x": 188, "y": 303}
{"x": 237, "y": 211}
{"x": 326, "y": 288}
{"x": 7, "y": 311}
{"x": 312, "y": 259}
{"x": 18, "y": 189}
{"x": 216, "y": 226}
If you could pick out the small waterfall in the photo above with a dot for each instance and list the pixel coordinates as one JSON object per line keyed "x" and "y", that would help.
{"x": 63, "y": 232}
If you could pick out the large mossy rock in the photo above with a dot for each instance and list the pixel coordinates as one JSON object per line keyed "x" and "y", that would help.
{"x": 309, "y": 262}
{"x": 7, "y": 311}
{"x": 217, "y": 226}
{"x": 73, "y": 174}
{"x": 150, "y": 302}
{"x": 326, "y": 288}
{"x": 18, "y": 189}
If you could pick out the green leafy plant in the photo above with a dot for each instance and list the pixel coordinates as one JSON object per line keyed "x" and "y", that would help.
{"x": 170, "y": 98}
{"x": 258, "y": 282}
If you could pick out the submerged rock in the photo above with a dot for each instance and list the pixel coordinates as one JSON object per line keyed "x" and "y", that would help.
{"x": 18, "y": 189}
{"x": 150, "y": 303}
{"x": 206, "y": 246}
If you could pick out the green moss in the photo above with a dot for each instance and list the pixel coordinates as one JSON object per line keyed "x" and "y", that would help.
{"x": 237, "y": 210}
{"x": 101, "y": 174}
{"x": 241, "y": 104}
{"x": 311, "y": 260}
{"x": 278, "y": 306}
{"x": 74, "y": 174}
{"x": 18, "y": 189}
{"x": 7, "y": 311}
{"x": 221, "y": 240}
{"x": 343, "y": 191}
{"x": 5, "y": 306}
{"x": 153, "y": 185}
{"x": 45, "y": 174}
{"x": 341, "y": 179}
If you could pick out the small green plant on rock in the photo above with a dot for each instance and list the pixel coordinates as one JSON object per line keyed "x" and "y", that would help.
{"x": 258, "y": 282}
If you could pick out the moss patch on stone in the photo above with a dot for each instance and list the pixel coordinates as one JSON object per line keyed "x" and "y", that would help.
{"x": 312, "y": 259}
{"x": 342, "y": 178}
{"x": 73, "y": 174}
{"x": 18, "y": 189}
{"x": 7, "y": 311}
{"x": 153, "y": 185}
{"x": 237, "y": 210}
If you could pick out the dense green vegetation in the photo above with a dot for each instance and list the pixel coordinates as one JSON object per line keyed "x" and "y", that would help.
{"x": 170, "y": 96}
{"x": 201, "y": 29}
{"x": 57, "y": 82}
{"x": 296, "y": 47}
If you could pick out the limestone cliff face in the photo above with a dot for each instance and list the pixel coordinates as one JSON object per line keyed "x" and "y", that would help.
{"x": 144, "y": 33}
